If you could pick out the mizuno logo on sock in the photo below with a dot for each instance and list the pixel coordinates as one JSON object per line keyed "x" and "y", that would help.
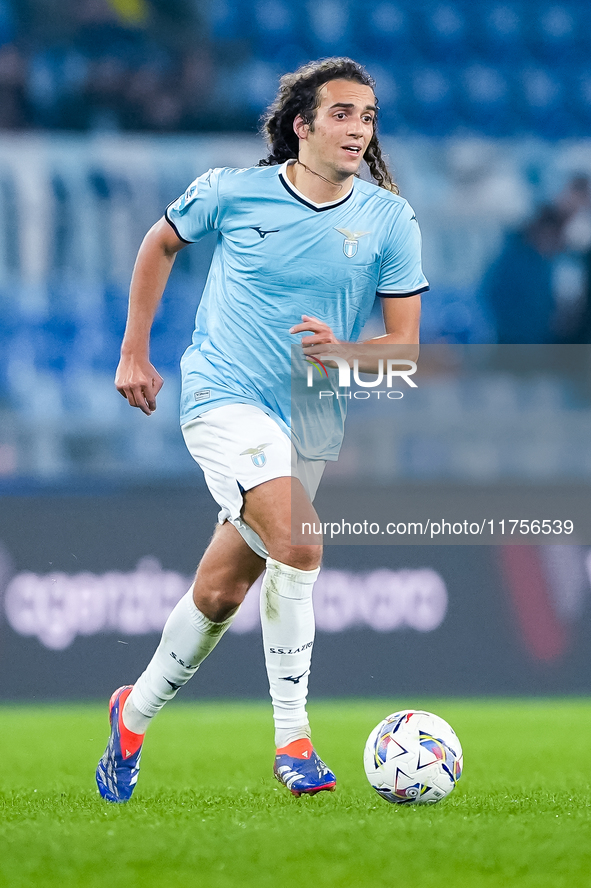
{"x": 294, "y": 678}
{"x": 172, "y": 684}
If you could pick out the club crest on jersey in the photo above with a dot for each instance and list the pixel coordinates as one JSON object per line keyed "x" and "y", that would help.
{"x": 257, "y": 455}
{"x": 351, "y": 242}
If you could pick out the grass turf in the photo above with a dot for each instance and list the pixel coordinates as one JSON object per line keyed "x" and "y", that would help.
{"x": 207, "y": 811}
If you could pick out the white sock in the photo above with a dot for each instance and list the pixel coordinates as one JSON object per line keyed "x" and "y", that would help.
{"x": 287, "y": 618}
{"x": 285, "y": 736}
{"x": 188, "y": 637}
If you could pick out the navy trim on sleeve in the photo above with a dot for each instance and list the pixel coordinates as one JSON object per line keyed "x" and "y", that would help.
{"x": 403, "y": 295}
{"x": 176, "y": 231}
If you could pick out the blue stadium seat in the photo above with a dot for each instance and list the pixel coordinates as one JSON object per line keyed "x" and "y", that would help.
{"x": 229, "y": 20}
{"x": 54, "y": 338}
{"x": 486, "y": 100}
{"x": 276, "y": 34}
{"x": 444, "y": 32}
{"x": 430, "y": 104}
{"x": 557, "y": 31}
{"x": 288, "y": 57}
{"x": 329, "y": 27}
{"x": 7, "y": 24}
{"x": 541, "y": 96}
{"x": 578, "y": 99}
{"x": 499, "y": 31}
{"x": 10, "y": 323}
{"x": 454, "y": 314}
{"x": 253, "y": 84}
{"x": 44, "y": 86}
{"x": 385, "y": 30}
{"x": 278, "y": 37}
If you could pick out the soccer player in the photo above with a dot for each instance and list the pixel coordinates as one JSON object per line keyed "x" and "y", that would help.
{"x": 303, "y": 247}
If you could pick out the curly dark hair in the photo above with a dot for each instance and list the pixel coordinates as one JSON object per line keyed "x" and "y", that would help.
{"x": 299, "y": 93}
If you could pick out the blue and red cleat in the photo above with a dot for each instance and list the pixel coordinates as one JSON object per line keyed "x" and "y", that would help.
{"x": 118, "y": 769}
{"x": 299, "y": 768}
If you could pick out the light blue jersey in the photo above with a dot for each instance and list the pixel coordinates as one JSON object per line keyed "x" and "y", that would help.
{"x": 280, "y": 256}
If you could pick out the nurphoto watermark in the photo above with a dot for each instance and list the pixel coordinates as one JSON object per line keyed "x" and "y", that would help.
{"x": 460, "y": 445}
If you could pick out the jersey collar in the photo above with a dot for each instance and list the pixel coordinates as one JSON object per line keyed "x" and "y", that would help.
{"x": 318, "y": 207}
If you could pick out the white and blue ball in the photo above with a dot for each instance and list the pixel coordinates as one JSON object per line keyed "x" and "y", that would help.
{"x": 413, "y": 757}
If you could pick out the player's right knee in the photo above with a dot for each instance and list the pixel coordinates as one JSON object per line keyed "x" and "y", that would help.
{"x": 218, "y": 604}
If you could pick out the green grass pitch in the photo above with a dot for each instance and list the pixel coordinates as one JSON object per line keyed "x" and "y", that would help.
{"x": 207, "y": 811}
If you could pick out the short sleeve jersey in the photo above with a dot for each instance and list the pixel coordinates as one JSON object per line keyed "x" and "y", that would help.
{"x": 280, "y": 256}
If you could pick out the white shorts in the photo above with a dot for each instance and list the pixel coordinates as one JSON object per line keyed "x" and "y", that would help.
{"x": 239, "y": 447}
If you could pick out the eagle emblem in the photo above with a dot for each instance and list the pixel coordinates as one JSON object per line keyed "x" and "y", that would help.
{"x": 257, "y": 455}
{"x": 351, "y": 241}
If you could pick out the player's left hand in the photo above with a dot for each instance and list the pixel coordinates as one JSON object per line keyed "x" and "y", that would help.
{"x": 321, "y": 337}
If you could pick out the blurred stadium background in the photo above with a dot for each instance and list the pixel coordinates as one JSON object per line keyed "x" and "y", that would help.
{"x": 108, "y": 109}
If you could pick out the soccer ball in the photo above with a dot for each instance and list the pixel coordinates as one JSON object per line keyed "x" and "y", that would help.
{"x": 413, "y": 757}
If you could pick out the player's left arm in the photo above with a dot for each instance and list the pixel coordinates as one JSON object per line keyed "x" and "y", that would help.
{"x": 402, "y": 317}
{"x": 402, "y": 321}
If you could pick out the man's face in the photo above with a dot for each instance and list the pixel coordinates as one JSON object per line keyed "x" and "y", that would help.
{"x": 343, "y": 127}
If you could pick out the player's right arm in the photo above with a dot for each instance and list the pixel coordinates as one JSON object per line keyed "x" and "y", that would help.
{"x": 136, "y": 379}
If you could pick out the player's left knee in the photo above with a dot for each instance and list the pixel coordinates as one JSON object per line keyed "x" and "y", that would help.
{"x": 303, "y": 557}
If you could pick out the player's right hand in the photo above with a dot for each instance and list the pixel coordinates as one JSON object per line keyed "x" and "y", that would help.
{"x": 139, "y": 382}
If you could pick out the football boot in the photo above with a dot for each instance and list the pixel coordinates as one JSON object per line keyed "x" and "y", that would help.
{"x": 118, "y": 769}
{"x": 299, "y": 768}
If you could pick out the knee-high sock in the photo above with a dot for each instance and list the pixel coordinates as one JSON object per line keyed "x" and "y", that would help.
{"x": 287, "y": 618}
{"x": 188, "y": 637}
